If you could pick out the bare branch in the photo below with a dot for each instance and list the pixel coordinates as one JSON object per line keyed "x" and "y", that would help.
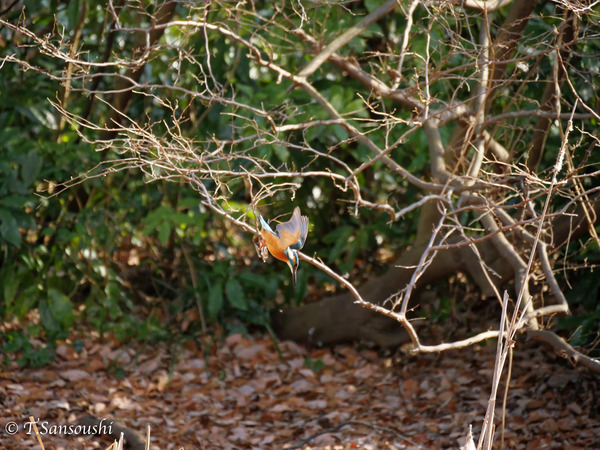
{"x": 346, "y": 37}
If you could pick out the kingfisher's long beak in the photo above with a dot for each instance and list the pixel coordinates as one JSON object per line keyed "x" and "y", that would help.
{"x": 293, "y": 270}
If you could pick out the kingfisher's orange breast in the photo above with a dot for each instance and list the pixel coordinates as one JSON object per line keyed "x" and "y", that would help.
{"x": 274, "y": 245}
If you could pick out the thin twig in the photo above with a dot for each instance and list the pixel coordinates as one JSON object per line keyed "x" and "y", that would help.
{"x": 346, "y": 37}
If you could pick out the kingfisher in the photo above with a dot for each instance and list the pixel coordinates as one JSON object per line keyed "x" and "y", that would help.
{"x": 286, "y": 240}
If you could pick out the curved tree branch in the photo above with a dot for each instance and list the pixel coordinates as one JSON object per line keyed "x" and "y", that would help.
{"x": 565, "y": 349}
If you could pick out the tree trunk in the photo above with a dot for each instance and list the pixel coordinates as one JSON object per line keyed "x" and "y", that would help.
{"x": 337, "y": 319}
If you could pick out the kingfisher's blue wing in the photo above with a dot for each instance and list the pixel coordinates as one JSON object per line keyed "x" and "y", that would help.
{"x": 293, "y": 232}
{"x": 303, "y": 233}
{"x": 266, "y": 226}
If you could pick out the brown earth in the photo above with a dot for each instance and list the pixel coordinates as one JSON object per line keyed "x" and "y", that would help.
{"x": 243, "y": 395}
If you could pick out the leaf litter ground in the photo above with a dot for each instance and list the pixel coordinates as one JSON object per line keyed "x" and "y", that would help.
{"x": 244, "y": 395}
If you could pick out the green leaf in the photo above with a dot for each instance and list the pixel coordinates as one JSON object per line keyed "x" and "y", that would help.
{"x": 9, "y": 229}
{"x": 156, "y": 218}
{"x": 215, "y": 300}
{"x": 340, "y": 236}
{"x": 354, "y": 247}
{"x": 47, "y": 318}
{"x": 282, "y": 152}
{"x": 27, "y": 298}
{"x": 56, "y": 313}
{"x": 313, "y": 133}
{"x": 372, "y": 5}
{"x": 357, "y": 108}
{"x": 340, "y": 132}
{"x": 36, "y": 113}
{"x": 267, "y": 284}
{"x": 164, "y": 232}
{"x": 72, "y": 14}
{"x": 10, "y": 285}
{"x": 235, "y": 294}
{"x": 13, "y": 201}
{"x": 189, "y": 202}
{"x": 31, "y": 167}
{"x": 61, "y": 307}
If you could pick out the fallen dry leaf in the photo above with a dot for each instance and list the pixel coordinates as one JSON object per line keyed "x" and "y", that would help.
{"x": 242, "y": 394}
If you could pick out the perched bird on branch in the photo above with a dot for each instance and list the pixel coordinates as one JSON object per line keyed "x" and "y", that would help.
{"x": 286, "y": 240}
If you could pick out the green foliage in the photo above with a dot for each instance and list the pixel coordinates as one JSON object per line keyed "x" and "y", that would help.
{"x": 18, "y": 172}
{"x": 130, "y": 259}
{"x": 316, "y": 365}
{"x": 56, "y": 314}
{"x": 215, "y": 299}
{"x": 442, "y": 311}
{"x": 20, "y": 342}
{"x": 583, "y": 327}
